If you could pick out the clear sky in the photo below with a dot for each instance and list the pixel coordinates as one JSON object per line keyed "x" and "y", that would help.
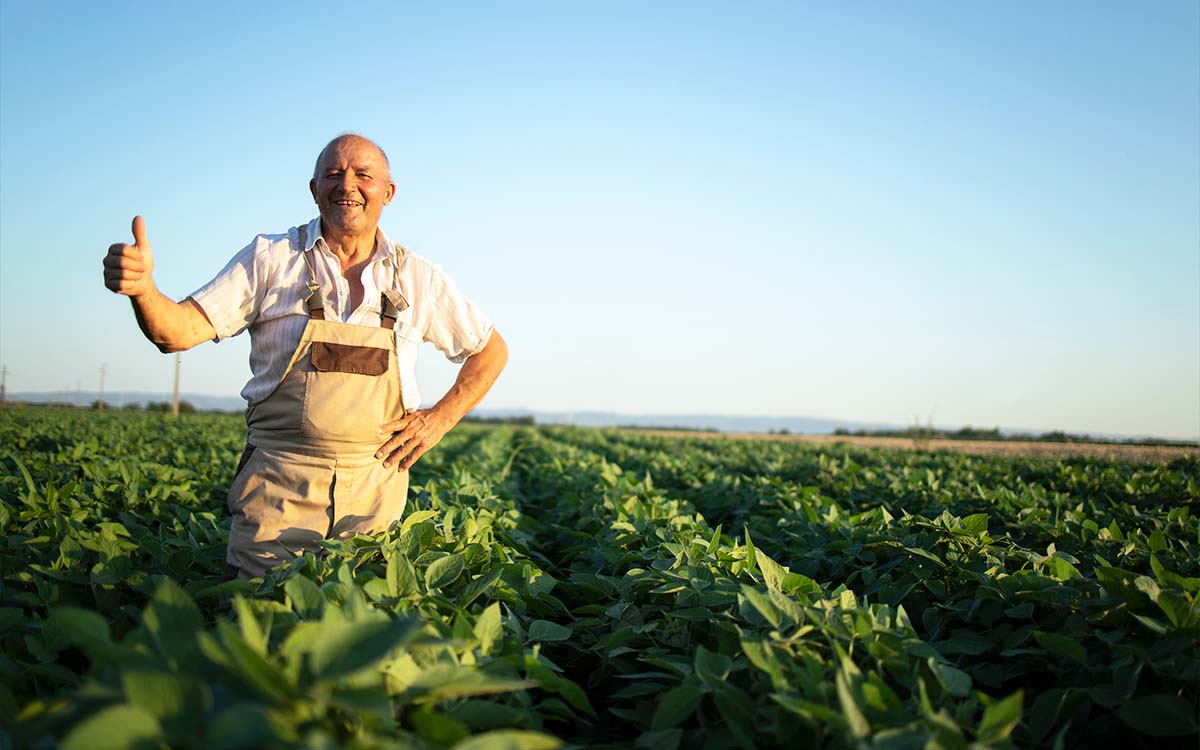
{"x": 987, "y": 212}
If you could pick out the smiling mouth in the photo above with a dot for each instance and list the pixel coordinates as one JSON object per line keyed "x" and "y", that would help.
{"x": 347, "y": 203}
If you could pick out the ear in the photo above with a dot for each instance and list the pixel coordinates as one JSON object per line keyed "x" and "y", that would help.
{"x": 389, "y": 193}
{"x": 312, "y": 188}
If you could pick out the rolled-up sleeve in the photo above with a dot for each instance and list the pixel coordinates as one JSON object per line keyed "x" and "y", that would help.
{"x": 456, "y": 326}
{"x": 234, "y": 296}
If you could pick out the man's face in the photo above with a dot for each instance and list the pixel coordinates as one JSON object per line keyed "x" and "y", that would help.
{"x": 351, "y": 186}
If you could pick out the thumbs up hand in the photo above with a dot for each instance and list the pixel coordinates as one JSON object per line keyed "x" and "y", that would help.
{"x": 127, "y": 268}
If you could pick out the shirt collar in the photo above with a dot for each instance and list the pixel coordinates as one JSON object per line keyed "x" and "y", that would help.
{"x": 384, "y": 247}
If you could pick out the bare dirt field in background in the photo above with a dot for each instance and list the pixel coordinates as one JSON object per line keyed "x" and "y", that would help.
{"x": 1160, "y": 454}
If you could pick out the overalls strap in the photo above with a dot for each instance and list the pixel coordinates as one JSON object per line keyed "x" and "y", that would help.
{"x": 392, "y": 302}
{"x": 313, "y": 300}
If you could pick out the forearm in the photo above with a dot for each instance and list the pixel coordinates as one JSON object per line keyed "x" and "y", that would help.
{"x": 417, "y": 432}
{"x": 169, "y": 325}
{"x": 474, "y": 380}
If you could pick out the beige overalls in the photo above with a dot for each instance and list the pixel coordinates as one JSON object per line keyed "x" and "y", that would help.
{"x": 309, "y": 471}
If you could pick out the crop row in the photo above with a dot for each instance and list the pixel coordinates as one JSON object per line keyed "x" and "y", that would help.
{"x": 559, "y": 586}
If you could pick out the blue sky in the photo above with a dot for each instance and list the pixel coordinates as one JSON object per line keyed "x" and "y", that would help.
{"x": 866, "y": 211}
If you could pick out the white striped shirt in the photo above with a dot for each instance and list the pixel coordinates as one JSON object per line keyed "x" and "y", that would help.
{"x": 263, "y": 286}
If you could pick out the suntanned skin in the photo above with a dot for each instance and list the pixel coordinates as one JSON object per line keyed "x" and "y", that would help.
{"x": 351, "y": 184}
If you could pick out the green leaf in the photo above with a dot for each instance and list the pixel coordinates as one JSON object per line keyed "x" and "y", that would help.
{"x": 964, "y": 643}
{"x": 544, "y": 630}
{"x": 488, "y": 627}
{"x": 763, "y": 605}
{"x": 348, "y": 647}
{"x": 715, "y": 542}
{"x": 1162, "y": 715}
{"x": 255, "y": 670}
{"x": 712, "y": 667}
{"x": 1000, "y": 718}
{"x": 751, "y": 562}
{"x": 1064, "y": 570}
{"x": 509, "y": 739}
{"x": 1178, "y": 609}
{"x": 569, "y": 690}
{"x": 761, "y": 655}
{"x": 857, "y": 721}
{"x": 955, "y": 681}
{"x": 772, "y": 572}
{"x": 179, "y": 703}
{"x": 255, "y": 635}
{"x": 479, "y": 586}
{"x": 126, "y": 727}
{"x": 174, "y": 621}
{"x": 477, "y": 713}
{"x": 449, "y": 681}
{"x": 443, "y": 571}
{"x": 392, "y": 578}
{"x": 438, "y": 728}
{"x": 415, "y": 518}
{"x": 737, "y": 711}
{"x": 249, "y": 725}
{"x": 84, "y": 628}
{"x": 976, "y": 523}
{"x": 405, "y": 574}
{"x": 305, "y": 597}
{"x": 1062, "y": 646}
{"x": 676, "y": 705}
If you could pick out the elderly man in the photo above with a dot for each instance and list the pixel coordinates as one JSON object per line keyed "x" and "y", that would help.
{"x": 336, "y": 311}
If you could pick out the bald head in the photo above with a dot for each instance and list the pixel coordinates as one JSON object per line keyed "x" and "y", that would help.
{"x": 351, "y": 184}
{"x": 349, "y": 139}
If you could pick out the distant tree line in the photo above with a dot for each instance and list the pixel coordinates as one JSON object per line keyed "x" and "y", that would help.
{"x": 926, "y": 432}
{"x": 527, "y": 421}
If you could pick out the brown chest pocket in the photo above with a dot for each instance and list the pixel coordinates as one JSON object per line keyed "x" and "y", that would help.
{"x": 359, "y": 360}
{"x": 346, "y": 392}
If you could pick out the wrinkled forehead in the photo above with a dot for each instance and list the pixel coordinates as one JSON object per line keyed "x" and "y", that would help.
{"x": 351, "y": 151}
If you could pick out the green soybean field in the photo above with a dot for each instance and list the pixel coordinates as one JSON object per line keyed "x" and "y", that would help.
{"x": 565, "y": 587}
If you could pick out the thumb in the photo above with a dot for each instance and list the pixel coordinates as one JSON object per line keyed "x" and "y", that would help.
{"x": 139, "y": 233}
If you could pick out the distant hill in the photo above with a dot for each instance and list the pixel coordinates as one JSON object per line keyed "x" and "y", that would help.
{"x": 118, "y": 399}
{"x": 798, "y": 425}
{"x": 722, "y": 423}
{"x": 718, "y": 422}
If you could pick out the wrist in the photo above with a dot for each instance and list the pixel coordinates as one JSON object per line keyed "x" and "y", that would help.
{"x": 445, "y": 414}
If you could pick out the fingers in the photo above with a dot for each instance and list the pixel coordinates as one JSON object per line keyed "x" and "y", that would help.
{"x": 396, "y": 425}
{"x": 405, "y": 456}
{"x": 395, "y": 441}
{"x": 413, "y": 435}
{"x": 407, "y": 463}
{"x": 126, "y": 257}
{"x": 139, "y": 232}
{"x": 125, "y": 270}
{"x": 128, "y": 268}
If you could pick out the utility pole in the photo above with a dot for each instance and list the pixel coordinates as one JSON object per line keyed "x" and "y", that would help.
{"x": 100, "y": 401}
{"x": 175, "y": 396}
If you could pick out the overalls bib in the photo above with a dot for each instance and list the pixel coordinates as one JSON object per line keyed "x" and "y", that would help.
{"x": 309, "y": 471}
